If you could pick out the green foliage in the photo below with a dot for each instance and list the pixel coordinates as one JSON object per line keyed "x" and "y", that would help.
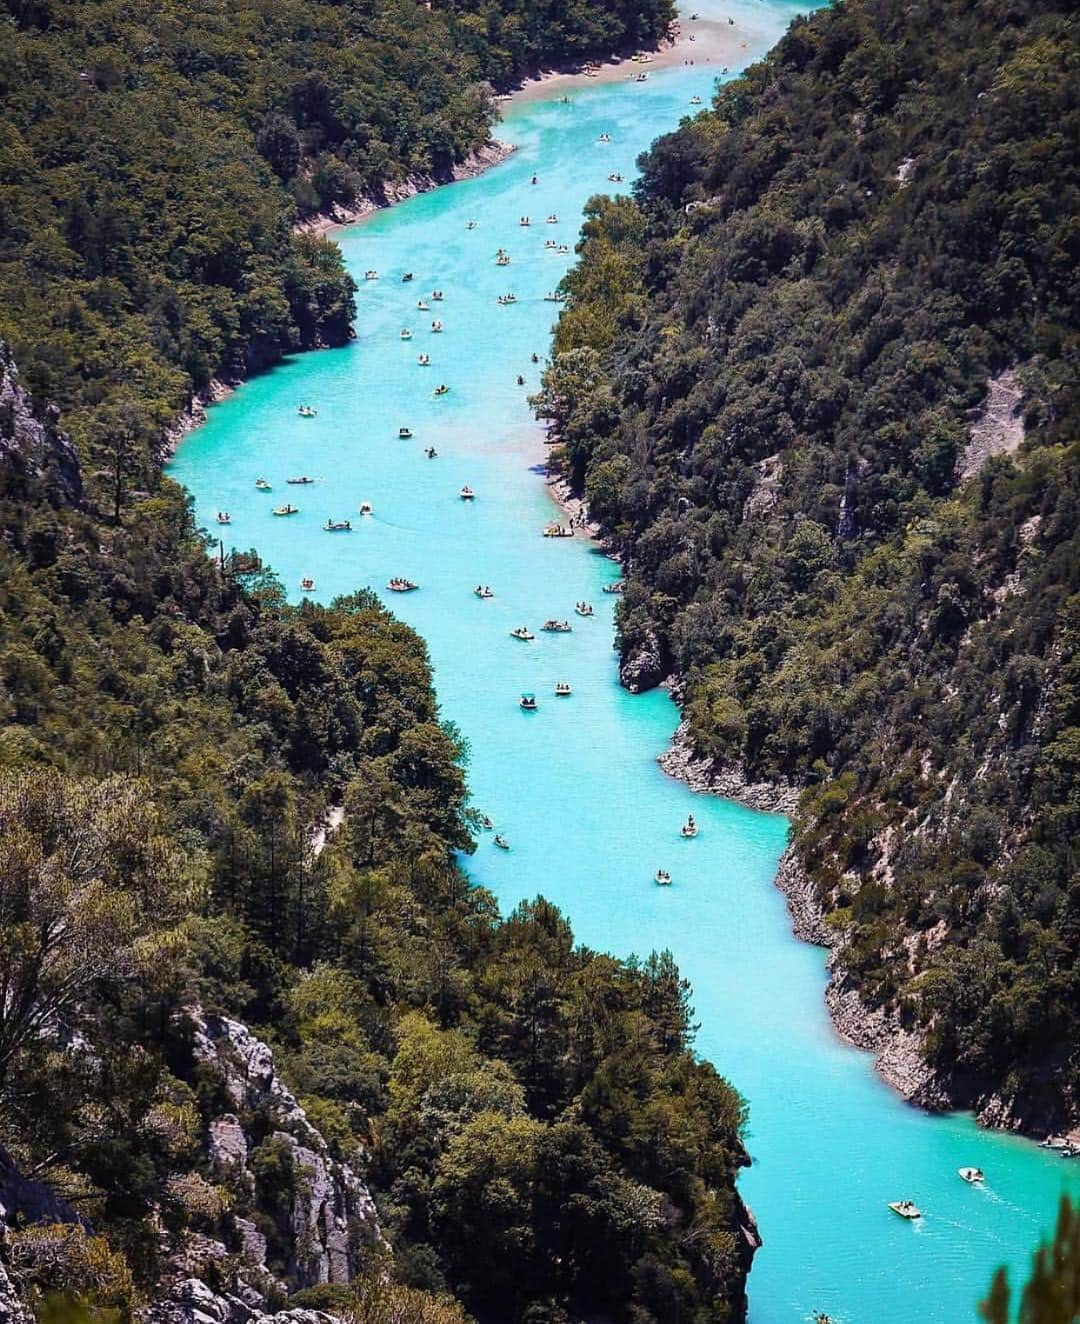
{"x": 768, "y": 410}
{"x": 1052, "y": 1293}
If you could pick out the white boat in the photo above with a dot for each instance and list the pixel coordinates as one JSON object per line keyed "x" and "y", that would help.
{"x": 501, "y": 842}
{"x": 422, "y": 306}
{"x": 401, "y": 585}
{"x": 404, "y": 433}
{"x": 223, "y": 517}
{"x": 663, "y": 878}
{"x": 522, "y": 632}
{"x": 584, "y": 608}
{"x": 437, "y": 296}
{"x": 528, "y": 703}
{"x": 972, "y": 1175}
{"x": 371, "y": 275}
{"x": 301, "y": 480}
{"x": 338, "y": 526}
{"x": 483, "y": 591}
{"x": 689, "y": 828}
{"x": 423, "y": 360}
{"x": 905, "y": 1208}
{"x": 562, "y": 689}
{"x": 365, "y": 508}
{"x": 557, "y": 627}
{"x": 466, "y": 493}
{"x": 406, "y": 334}
{"x": 553, "y": 219}
{"x": 261, "y": 485}
{"x": 307, "y": 585}
{"x": 436, "y": 327}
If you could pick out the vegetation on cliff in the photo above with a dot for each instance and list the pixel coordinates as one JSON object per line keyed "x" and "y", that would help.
{"x": 154, "y": 158}
{"x": 766, "y": 378}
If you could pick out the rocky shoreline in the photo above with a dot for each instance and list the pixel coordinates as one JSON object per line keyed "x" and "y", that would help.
{"x": 388, "y": 194}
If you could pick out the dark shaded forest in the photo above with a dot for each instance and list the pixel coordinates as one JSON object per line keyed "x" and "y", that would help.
{"x": 784, "y": 380}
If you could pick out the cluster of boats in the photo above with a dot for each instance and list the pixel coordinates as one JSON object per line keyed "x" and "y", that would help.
{"x": 910, "y": 1210}
{"x": 527, "y": 703}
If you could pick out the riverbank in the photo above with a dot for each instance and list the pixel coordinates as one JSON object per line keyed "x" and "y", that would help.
{"x": 390, "y": 193}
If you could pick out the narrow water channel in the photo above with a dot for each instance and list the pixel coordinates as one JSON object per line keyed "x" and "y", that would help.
{"x": 574, "y": 787}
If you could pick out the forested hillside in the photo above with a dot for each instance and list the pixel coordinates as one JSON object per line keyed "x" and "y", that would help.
{"x": 154, "y": 158}
{"x": 818, "y": 381}
{"x": 523, "y": 1121}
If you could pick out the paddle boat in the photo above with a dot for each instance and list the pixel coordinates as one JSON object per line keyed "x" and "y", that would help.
{"x": 563, "y": 248}
{"x": 535, "y": 179}
{"x": 307, "y": 584}
{"x": 663, "y": 878}
{"x": 466, "y": 493}
{"x": 436, "y": 327}
{"x": 501, "y": 842}
{"x": 971, "y": 1175}
{"x": 583, "y": 608}
{"x": 365, "y": 508}
{"x": 405, "y": 276}
{"x": 431, "y": 452}
{"x": 502, "y": 259}
{"x": 398, "y": 585}
{"x": 441, "y": 390}
{"x": 404, "y": 433}
{"x": 604, "y": 138}
{"x": 437, "y": 296}
{"x": 406, "y": 334}
{"x": 506, "y": 299}
{"x": 553, "y": 296}
{"x": 549, "y": 244}
{"x": 617, "y": 587}
{"x": 423, "y": 307}
{"x": 524, "y": 221}
{"x": 557, "y": 627}
{"x": 641, "y": 78}
{"x": 261, "y": 485}
{"x": 615, "y": 178}
{"x": 562, "y": 689}
{"x": 423, "y": 360}
{"x": 286, "y": 510}
{"x": 485, "y": 823}
{"x": 905, "y": 1208}
{"x": 470, "y": 225}
{"x": 558, "y": 531}
{"x": 527, "y": 703}
{"x": 338, "y": 526}
{"x": 553, "y": 219}
{"x": 522, "y": 633}
{"x": 689, "y": 828}
{"x": 223, "y": 517}
{"x": 695, "y": 101}
{"x": 483, "y": 591}
{"x": 371, "y": 275}
{"x": 301, "y": 480}
{"x": 306, "y": 411}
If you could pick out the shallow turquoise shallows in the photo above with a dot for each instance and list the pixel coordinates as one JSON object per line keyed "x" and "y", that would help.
{"x": 574, "y": 786}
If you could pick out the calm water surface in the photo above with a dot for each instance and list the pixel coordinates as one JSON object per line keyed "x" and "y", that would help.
{"x": 575, "y": 786}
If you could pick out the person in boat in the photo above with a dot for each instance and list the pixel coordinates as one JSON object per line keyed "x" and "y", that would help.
{"x": 536, "y": 358}
{"x": 521, "y": 380}
{"x": 442, "y": 390}
{"x": 431, "y": 452}
{"x": 534, "y": 180}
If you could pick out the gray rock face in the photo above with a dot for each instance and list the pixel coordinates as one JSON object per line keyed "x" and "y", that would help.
{"x": 12, "y": 1310}
{"x": 643, "y": 667}
{"x": 36, "y": 458}
{"x": 332, "y": 1217}
{"x": 192, "y": 1302}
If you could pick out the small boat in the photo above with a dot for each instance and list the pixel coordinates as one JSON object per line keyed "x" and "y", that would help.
{"x": 261, "y": 485}
{"x": 371, "y": 275}
{"x": 564, "y": 248}
{"x": 422, "y": 307}
{"x": 522, "y": 632}
{"x": 905, "y": 1208}
{"x": 286, "y": 510}
{"x": 338, "y": 526}
{"x": 307, "y": 584}
{"x": 470, "y": 225}
{"x": 466, "y": 493}
{"x": 528, "y": 703}
{"x": 486, "y": 824}
{"x": 223, "y": 517}
{"x": 553, "y": 219}
{"x": 407, "y": 275}
{"x": 550, "y": 244}
{"x": 404, "y": 433}
{"x": 437, "y": 296}
{"x": 972, "y": 1175}
{"x": 501, "y": 842}
{"x": 524, "y": 221}
{"x": 604, "y": 138}
{"x": 436, "y": 327}
{"x": 441, "y": 390}
{"x": 584, "y": 608}
{"x": 431, "y": 452}
{"x": 558, "y": 531}
{"x": 397, "y": 585}
{"x": 503, "y": 260}
{"x": 689, "y": 828}
{"x": 301, "y": 480}
{"x": 562, "y": 689}
{"x": 505, "y": 299}
{"x": 695, "y": 101}
{"x": 553, "y": 296}
{"x": 306, "y": 411}
{"x": 423, "y": 360}
{"x": 483, "y": 591}
{"x": 617, "y": 587}
{"x": 406, "y": 334}
{"x": 641, "y": 78}
{"x": 557, "y": 627}
{"x": 663, "y": 878}
{"x": 615, "y": 179}
{"x": 365, "y": 508}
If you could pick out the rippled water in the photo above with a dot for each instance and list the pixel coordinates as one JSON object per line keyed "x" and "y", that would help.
{"x": 575, "y": 787}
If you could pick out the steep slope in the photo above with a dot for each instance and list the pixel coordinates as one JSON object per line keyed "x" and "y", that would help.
{"x": 818, "y": 382}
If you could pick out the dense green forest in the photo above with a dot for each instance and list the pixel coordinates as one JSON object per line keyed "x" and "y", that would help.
{"x": 540, "y": 1139}
{"x": 154, "y": 158}
{"x": 767, "y": 373}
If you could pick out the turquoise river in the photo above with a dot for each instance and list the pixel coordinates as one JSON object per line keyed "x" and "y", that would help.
{"x": 575, "y": 787}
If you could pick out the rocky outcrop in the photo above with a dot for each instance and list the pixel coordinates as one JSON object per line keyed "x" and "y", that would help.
{"x": 37, "y": 460}
{"x": 331, "y": 1220}
{"x": 492, "y": 153}
{"x": 997, "y": 427}
{"x": 12, "y": 1310}
{"x": 193, "y": 1302}
{"x": 643, "y": 668}
{"x": 726, "y": 779}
